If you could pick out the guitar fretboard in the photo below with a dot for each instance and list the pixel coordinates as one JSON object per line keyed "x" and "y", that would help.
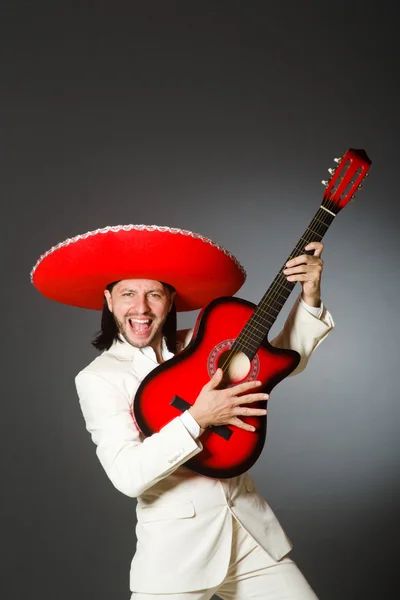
{"x": 257, "y": 327}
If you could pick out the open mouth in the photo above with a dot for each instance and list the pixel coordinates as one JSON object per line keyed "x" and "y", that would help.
{"x": 140, "y": 326}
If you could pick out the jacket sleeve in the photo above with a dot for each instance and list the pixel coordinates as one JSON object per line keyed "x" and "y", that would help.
{"x": 303, "y": 332}
{"x": 133, "y": 463}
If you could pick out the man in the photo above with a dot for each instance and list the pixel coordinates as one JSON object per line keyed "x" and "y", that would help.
{"x": 196, "y": 535}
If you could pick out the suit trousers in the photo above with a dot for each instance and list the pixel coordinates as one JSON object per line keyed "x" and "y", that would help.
{"x": 252, "y": 575}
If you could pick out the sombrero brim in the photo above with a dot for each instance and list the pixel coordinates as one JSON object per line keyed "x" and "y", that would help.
{"x": 77, "y": 271}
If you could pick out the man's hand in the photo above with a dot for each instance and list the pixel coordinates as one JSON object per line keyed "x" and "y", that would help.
{"x": 223, "y": 407}
{"x": 308, "y": 270}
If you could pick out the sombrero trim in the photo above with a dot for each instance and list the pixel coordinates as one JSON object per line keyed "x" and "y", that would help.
{"x": 116, "y": 228}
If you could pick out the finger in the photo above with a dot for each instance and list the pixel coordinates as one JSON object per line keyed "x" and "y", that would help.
{"x": 298, "y": 260}
{"x": 316, "y": 246}
{"x": 241, "y": 424}
{"x": 245, "y": 411}
{"x": 304, "y": 259}
{"x": 214, "y": 381}
{"x": 250, "y": 398}
{"x": 313, "y": 270}
{"x": 294, "y": 270}
{"x": 312, "y": 276}
{"x": 243, "y": 387}
{"x": 303, "y": 277}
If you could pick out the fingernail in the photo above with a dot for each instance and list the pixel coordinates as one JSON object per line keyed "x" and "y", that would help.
{"x": 266, "y": 396}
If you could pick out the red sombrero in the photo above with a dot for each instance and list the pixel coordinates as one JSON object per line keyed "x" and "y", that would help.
{"x": 77, "y": 270}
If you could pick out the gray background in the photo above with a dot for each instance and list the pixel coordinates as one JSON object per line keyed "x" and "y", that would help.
{"x": 222, "y": 118}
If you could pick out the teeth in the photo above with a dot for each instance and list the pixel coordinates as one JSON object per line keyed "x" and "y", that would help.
{"x": 140, "y": 320}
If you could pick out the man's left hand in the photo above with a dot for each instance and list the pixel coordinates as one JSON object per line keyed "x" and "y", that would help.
{"x": 308, "y": 270}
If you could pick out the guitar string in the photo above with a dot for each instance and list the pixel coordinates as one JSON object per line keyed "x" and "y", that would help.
{"x": 250, "y": 330}
{"x": 278, "y": 285}
{"x": 249, "y": 327}
{"x": 276, "y": 290}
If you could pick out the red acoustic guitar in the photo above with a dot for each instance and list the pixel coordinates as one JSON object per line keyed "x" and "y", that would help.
{"x": 232, "y": 334}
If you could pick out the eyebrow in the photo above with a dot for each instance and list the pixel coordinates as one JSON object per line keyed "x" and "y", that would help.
{"x": 127, "y": 289}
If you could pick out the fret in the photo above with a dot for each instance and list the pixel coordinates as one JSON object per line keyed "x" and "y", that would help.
{"x": 280, "y": 296}
{"x": 280, "y": 304}
{"x": 319, "y": 221}
{"x": 287, "y": 289}
{"x": 248, "y": 345}
{"x": 240, "y": 346}
{"x": 264, "y": 311}
{"x": 315, "y": 233}
{"x": 261, "y": 316}
{"x": 254, "y": 330}
{"x": 248, "y": 331}
{"x": 262, "y": 323}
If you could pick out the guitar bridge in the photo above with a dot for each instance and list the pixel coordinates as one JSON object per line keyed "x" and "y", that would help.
{"x": 221, "y": 430}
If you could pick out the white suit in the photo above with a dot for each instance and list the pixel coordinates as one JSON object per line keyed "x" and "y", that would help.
{"x": 184, "y": 528}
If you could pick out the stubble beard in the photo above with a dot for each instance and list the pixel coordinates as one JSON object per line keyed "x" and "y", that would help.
{"x": 126, "y": 333}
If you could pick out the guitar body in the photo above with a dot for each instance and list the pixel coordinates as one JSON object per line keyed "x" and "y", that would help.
{"x": 174, "y": 386}
{"x": 228, "y": 323}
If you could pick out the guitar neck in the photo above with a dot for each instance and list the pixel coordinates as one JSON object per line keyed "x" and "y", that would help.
{"x": 257, "y": 328}
{"x": 345, "y": 180}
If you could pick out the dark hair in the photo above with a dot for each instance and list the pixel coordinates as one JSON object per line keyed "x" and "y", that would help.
{"x": 109, "y": 332}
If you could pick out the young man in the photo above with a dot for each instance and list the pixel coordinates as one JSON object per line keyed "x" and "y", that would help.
{"x": 197, "y": 535}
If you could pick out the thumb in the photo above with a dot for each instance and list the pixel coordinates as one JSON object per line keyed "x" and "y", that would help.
{"x": 215, "y": 380}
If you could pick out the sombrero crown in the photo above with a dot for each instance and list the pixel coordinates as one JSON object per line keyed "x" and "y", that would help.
{"x": 77, "y": 271}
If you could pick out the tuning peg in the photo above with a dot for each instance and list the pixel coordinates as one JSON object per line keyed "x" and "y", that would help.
{"x": 325, "y": 182}
{"x": 331, "y": 171}
{"x": 360, "y": 186}
{"x": 353, "y": 199}
{"x": 338, "y": 160}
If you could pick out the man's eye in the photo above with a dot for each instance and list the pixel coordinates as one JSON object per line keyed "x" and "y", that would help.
{"x": 155, "y": 295}
{"x": 127, "y": 294}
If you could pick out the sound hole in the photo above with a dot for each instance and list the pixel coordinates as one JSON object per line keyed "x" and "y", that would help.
{"x": 235, "y": 365}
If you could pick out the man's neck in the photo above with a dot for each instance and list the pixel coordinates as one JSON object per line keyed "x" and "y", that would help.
{"x": 155, "y": 345}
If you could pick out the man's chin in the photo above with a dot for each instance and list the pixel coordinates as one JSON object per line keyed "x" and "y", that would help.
{"x": 138, "y": 341}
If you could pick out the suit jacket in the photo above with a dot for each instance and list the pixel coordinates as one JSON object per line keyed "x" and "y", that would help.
{"x": 184, "y": 520}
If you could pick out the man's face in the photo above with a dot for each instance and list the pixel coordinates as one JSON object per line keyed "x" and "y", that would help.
{"x": 140, "y": 307}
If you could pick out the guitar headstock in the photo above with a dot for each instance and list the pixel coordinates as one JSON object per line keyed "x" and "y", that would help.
{"x": 345, "y": 179}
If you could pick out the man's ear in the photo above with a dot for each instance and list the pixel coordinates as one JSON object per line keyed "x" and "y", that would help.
{"x": 107, "y": 296}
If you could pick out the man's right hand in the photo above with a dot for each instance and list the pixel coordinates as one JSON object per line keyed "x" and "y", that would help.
{"x": 223, "y": 407}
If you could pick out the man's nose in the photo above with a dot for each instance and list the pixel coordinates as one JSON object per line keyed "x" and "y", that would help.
{"x": 141, "y": 304}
